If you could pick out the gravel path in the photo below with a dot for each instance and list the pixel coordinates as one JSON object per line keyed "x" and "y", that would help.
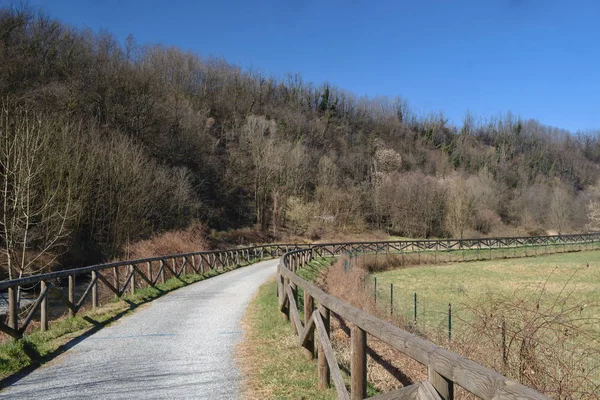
{"x": 180, "y": 346}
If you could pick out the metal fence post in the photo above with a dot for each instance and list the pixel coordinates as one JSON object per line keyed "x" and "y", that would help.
{"x": 449, "y": 321}
{"x": 391, "y": 298}
{"x": 375, "y": 288}
{"x": 415, "y": 309}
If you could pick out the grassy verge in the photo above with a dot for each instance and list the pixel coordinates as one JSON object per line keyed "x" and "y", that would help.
{"x": 37, "y": 347}
{"x": 274, "y": 364}
{"x": 313, "y": 269}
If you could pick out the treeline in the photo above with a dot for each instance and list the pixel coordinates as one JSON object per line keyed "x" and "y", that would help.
{"x": 106, "y": 143}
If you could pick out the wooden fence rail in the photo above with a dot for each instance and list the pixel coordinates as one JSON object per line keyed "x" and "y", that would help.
{"x": 444, "y": 368}
{"x": 120, "y": 278}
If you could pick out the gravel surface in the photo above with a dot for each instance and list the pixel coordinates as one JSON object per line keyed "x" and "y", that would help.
{"x": 179, "y": 346}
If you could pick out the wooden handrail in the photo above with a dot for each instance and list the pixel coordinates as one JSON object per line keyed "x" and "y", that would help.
{"x": 293, "y": 256}
{"x": 175, "y": 265}
{"x": 445, "y": 368}
{"x": 33, "y": 279}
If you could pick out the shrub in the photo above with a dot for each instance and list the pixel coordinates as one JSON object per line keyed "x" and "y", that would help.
{"x": 188, "y": 240}
{"x": 485, "y": 220}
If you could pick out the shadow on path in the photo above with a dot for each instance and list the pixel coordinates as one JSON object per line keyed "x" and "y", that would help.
{"x": 38, "y": 361}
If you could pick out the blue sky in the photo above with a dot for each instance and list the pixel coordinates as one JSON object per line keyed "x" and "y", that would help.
{"x": 536, "y": 58}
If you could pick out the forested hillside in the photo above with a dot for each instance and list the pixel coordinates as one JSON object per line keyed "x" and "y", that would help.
{"x": 104, "y": 143}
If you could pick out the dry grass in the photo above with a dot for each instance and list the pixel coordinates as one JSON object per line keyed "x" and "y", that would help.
{"x": 388, "y": 369}
{"x": 189, "y": 240}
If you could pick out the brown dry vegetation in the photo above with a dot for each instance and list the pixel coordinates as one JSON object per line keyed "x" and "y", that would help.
{"x": 550, "y": 337}
{"x": 388, "y": 369}
{"x": 189, "y": 240}
{"x": 143, "y": 139}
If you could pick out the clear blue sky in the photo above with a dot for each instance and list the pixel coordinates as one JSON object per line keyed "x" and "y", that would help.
{"x": 536, "y": 58}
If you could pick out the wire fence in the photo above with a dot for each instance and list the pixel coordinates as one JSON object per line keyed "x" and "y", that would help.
{"x": 576, "y": 355}
{"x": 572, "y": 358}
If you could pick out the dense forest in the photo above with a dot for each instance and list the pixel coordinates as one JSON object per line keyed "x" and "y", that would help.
{"x": 104, "y": 143}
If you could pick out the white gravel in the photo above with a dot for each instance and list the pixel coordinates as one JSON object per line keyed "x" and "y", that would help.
{"x": 179, "y": 346}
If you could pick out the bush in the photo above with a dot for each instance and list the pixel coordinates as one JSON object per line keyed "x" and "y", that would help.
{"x": 189, "y": 240}
{"x": 485, "y": 220}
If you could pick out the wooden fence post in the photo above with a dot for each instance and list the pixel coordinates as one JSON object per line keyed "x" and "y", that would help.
{"x": 292, "y": 284}
{"x": 116, "y": 282}
{"x": 149, "y": 267}
{"x": 358, "y": 364}
{"x": 132, "y": 281}
{"x": 286, "y": 311}
{"x": 308, "y": 310}
{"x": 95, "y": 290}
{"x": 162, "y": 271}
{"x": 443, "y": 386}
{"x": 71, "y": 295}
{"x": 324, "y": 373}
{"x": 13, "y": 312}
{"x": 44, "y": 308}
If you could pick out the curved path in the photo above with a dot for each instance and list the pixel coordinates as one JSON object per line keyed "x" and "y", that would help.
{"x": 179, "y": 346}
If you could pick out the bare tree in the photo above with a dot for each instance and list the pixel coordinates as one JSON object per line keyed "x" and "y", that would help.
{"x": 259, "y": 142}
{"x": 33, "y": 221}
{"x": 560, "y": 208}
{"x": 460, "y": 206}
{"x": 594, "y": 215}
{"x": 386, "y": 162}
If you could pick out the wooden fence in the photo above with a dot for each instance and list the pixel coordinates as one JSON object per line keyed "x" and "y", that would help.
{"x": 444, "y": 368}
{"x": 121, "y": 278}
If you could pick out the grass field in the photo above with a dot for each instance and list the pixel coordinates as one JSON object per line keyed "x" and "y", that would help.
{"x": 416, "y": 256}
{"x": 463, "y": 282}
{"x": 535, "y": 319}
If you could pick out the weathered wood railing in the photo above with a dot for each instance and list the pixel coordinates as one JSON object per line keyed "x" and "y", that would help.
{"x": 444, "y": 368}
{"x": 120, "y": 278}
{"x": 441, "y": 245}
{"x": 125, "y": 276}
